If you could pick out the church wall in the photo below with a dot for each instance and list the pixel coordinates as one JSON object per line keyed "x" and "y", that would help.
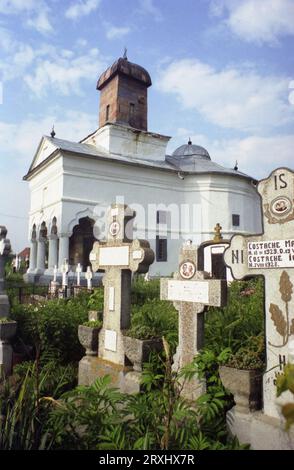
{"x": 204, "y": 200}
{"x": 46, "y": 190}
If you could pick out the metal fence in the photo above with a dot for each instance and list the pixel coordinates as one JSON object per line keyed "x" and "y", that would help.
{"x": 34, "y": 294}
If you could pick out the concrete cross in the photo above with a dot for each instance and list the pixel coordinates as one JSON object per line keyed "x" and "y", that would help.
{"x": 191, "y": 291}
{"x": 119, "y": 257}
{"x": 5, "y": 248}
{"x": 89, "y": 277}
{"x": 78, "y": 271}
{"x": 271, "y": 255}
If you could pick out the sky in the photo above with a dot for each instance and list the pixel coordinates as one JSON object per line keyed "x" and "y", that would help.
{"x": 222, "y": 73}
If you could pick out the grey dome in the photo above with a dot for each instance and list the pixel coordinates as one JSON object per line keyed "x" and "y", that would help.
{"x": 191, "y": 150}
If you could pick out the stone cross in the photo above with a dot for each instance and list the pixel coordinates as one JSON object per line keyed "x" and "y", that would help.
{"x": 5, "y": 248}
{"x": 191, "y": 291}
{"x": 271, "y": 254}
{"x": 89, "y": 277}
{"x": 119, "y": 257}
{"x": 218, "y": 233}
{"x": 78, "y": 271}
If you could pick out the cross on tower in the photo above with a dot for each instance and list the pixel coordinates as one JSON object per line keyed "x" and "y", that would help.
{"x": 119, "y": 257}
{"x": 191, "y": 291}
{"x": 271, "y": 255}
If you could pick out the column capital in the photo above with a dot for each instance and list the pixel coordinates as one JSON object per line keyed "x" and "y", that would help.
{"x": 53, "y": 236}
{"x": 65, "y": 235}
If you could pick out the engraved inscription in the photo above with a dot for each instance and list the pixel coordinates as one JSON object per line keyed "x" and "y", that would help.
{"x": 271, "y": 254}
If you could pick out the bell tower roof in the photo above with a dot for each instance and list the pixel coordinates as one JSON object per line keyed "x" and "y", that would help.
{"x": 123, "y": 67}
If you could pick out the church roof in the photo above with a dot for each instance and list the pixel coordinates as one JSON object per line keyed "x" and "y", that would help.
{"x": 187, "y": 164}
{"x": 189, "y": 150}
{"x": 124, "y": 67}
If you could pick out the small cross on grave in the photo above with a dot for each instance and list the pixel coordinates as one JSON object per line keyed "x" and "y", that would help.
{"x": 89, "y": 277}
{"x": 64, "y": 270}
{"x": 271, "y": 255}
{"x": 5, "y": 248}
{"x": 119, "y": 257}
{"x": 191, "y": 291}
{"x": 78, "y": 271}
{"x": 54, "y": 284}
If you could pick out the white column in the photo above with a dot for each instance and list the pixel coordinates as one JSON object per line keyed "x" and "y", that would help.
{"x": 53, "y": 252}
{"x": 41, "y": 255}
{"x": 33, "y": 256}
{"x": 63, "y": 249}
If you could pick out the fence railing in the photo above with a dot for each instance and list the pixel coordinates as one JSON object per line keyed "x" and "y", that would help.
{"x": 34, "y": 294}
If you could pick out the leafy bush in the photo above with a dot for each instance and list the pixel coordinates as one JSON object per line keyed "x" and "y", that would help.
{"x": 241, "y": 319}
{"x": 156, "y": 318}
{"x": 93, "y": 324}
{"x": 52, "y": 328}
{"x": 96, "y": 300}
{"x": 285, "y": 382}
{"x": 24, "y": 411}
{"x": 156, "y": 419}
{"x": 249, "y": 356}
{"x": 143, "y": 291}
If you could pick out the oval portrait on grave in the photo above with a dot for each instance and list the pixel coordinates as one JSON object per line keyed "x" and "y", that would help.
{"x": 114, "y": 228}
{"x": 281, "y": 206}
{"x": 187, "y": 269}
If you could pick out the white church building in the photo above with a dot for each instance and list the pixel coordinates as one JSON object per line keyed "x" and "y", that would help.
{"x": 176, "y": 197}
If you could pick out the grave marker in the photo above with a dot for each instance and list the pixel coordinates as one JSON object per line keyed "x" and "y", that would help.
{"x": 89, "y": 277}
{"x": 271, "y": 255}
{"x": 191, "y": 291}
{"x": 78, "y": 271}
{"x": 7, "y": 328}
{"x": 5, "y": 248}
{"x": 119, "y": 257}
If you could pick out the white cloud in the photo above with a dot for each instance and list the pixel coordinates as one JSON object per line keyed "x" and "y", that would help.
{"x": 148, "y": 7}
{"x": 261, "y": 21}
{"x": 37, "y": 13}
{"x": 18, "y": 144}
{"x": 64, "y": 73}
{"x": 114, "y": 32}
{"x": 256, "y": 155}
{"x": 81, "y": 8}
{"x": 41, "y": 22}
{"x": 230, "y": 98}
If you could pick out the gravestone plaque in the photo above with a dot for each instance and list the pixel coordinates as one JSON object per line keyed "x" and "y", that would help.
{"x": 191, "y": 291}
{"x": 271, "y": 254}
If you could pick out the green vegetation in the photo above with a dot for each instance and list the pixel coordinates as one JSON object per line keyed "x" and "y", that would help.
{"x": 37, "y": 414}
{"x": 239, "y": 325}
{"x": 93, "y": 324}
{"x": 5, "y": 320}
{"x": 42, "y": 409}
{"x": 285, "y": 382}
{"x": 52, "y": 328}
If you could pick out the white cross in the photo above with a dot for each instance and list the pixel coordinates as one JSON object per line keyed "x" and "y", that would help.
{"x": 78, "y": 271}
